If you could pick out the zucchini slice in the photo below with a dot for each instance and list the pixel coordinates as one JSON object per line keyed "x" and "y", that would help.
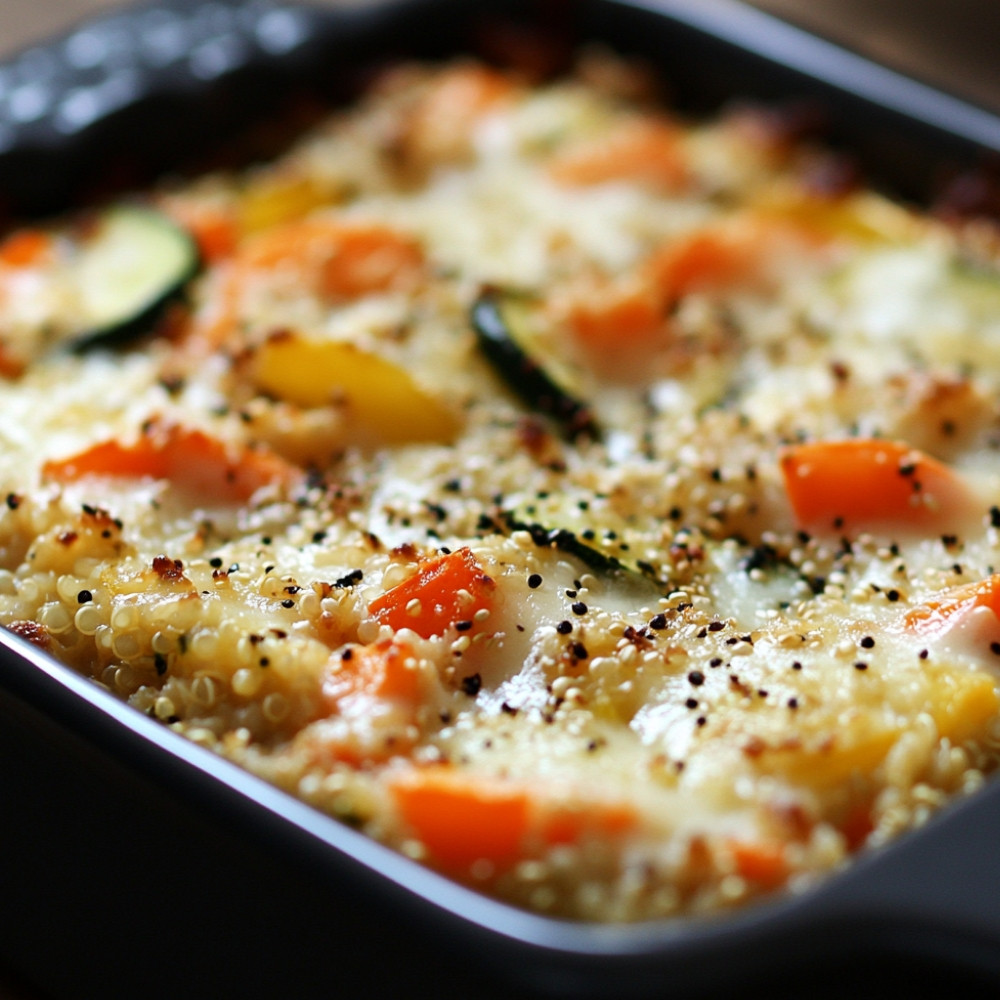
{"x": 128, "y": 268}
{"x": 604, "y": 554}
{"x": 503, "y": 330}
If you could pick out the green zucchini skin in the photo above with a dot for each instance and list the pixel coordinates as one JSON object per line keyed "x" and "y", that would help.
{"x": 636, "y": 574}
{"x": 164, "y": 260}
{"x": 506, "y": 351}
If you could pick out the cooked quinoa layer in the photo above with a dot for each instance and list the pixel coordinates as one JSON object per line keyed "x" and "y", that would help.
{"x": 698, "y": 615}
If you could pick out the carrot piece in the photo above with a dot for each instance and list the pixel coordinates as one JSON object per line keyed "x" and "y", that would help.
{"x": 465, "y": 91}
{"x": 857, "y": 824}
{"x": 865, "y": 483}
{"x": 328, "y": 257}
{"x": 613, "y": 317}
{"x": 370, "y": 259}
{"x": 445, "y": 592}
{"x": 26, "y": 248}
{"x": 340, "y": 259}
{"x": 439, "y": 126}
{"x": 373, "y": 695}
{"x": 644, "y": 150}
{"x": 762, "y": 862}
{"x": 215, "y": 232}
{"x": 707, "y": 259}
{"x": 10, "y": 365}
{"x": 742, "y": 251}
{"x": 190, "y": 459}
{"x": 380, "y": 670}
{"x": 461, "y": 819}
{"x": 606, "y": 819}
{"x": 955, "y": 603}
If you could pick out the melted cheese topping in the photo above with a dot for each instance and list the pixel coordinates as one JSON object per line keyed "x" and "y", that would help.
{"x": 618, "y": 676}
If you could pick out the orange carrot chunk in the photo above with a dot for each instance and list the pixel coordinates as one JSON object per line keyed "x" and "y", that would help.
{"x": 857, "y": 825}
{"x": 215, "y": 232}
{"x": 26, "y": 248}
{"x": 445, "y": 592}
{"x": 461, "y": 819}
{"x": 442, "y": 122}
{"x": 190, "y": 459}
{"x": 605, "y": 819}
{"x": 939, "y": 614}
{"x": 381, "y": 670}
{"x": 332, "y": 258}
{"x": 761, "y": 862}
{"x": 342, "y": 260}
{"x": 645, "y": 150}
{"x": 611, "y": 317}
{"x": 870, "y": 484}
{"x": 11, "y": 366}
{"x": 707, "y": 259}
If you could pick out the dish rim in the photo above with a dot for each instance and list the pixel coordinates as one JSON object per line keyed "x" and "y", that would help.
{"x": 156, "y": 752}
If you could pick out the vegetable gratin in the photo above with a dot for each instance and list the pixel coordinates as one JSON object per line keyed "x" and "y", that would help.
{"x": 596, "y": 506}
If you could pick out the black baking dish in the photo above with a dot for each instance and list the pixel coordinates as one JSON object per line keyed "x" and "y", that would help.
{"x": 135, "y": 863}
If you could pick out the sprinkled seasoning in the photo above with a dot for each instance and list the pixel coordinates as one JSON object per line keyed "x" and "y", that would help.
{"x": 472, "y": 684}
{"x": 340, "y": 547}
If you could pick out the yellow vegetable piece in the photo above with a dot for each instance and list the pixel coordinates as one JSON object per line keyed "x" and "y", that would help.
{"x": 272, "y": 200}
{"x": 964, "y": 705}
{"x": 856, "y": 748}
{"x": 379, "y": 396}
{"x": 862, "y": 216}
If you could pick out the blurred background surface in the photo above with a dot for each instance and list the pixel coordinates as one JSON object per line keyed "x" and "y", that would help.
{"x": 950, "y": 43}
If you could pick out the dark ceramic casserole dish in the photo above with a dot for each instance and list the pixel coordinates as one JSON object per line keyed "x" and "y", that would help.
{"x": 137, "y": 863}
